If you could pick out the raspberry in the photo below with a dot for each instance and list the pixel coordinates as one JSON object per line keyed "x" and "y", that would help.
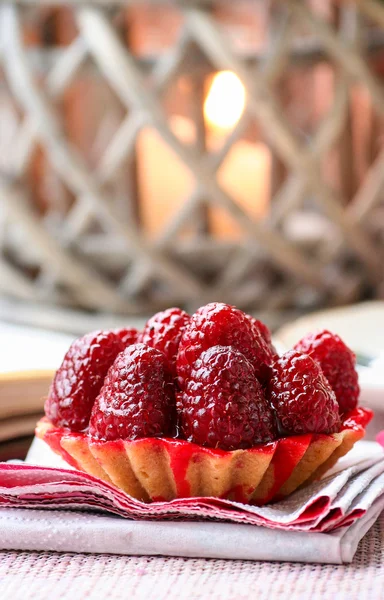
{"x": 163, "y": 331}
{"x": 223, "y": 325}
{"x": 301, "y": 396}
{"x": 338, "y": 364}
{"x": 223, "y": 404}
{"x": 136, "y": 399}
{"x": 264, "y": 331}
{"x": 128, "y": 335}
{"x": 79, "y": 379}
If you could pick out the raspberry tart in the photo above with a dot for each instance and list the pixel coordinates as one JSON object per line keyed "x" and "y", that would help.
{"x": 202, "y": 405}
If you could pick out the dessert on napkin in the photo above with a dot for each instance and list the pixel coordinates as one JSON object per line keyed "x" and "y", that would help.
{"x": 202, "y": 406}
{"x": 323, "y": 522}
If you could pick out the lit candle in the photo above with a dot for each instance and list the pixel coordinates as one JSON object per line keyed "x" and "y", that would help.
{"x": 245, "y": 176}
{"x": 166, "y": 182}
{"x": 244, "y": 173}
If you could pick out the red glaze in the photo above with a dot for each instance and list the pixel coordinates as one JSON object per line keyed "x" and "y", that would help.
{"x": 240, "y": 493}
{"x": 112, "y": 445}
{"x": 53, "y": 438}
{"x": 287, "y": 453}
{"x": 181, "y": 453}
{"x": 357, "y": 419}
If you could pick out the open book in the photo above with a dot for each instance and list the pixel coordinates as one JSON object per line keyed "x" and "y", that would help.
{"x": 21, "y": 405}
{"x": 22, "y": 398}
{"x": 28, "y": 360}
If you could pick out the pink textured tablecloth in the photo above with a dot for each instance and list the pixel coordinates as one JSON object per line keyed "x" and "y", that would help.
{"x": 39, "y": 575}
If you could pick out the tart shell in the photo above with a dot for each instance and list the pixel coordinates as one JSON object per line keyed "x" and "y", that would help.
{"x": 162, "y": 469}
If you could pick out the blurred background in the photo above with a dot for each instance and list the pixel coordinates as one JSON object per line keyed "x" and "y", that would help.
{"x": 178, "y": 152}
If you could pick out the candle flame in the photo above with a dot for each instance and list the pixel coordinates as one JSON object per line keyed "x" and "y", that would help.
{"x": 225, "y": 101}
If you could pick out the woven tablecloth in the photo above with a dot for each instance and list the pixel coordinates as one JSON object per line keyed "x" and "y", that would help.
{"x": 45, "y": 575}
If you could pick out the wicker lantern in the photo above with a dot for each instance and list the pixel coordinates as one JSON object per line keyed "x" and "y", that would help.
{"x": 163, "y": 153}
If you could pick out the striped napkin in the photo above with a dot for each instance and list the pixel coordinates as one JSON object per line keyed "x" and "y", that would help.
{"x": 322, "y": 522}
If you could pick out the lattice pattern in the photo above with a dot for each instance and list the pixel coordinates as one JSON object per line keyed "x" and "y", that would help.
{"x": 321, "y": 241}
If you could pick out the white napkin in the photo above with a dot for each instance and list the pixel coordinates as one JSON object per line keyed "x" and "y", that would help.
{"x": 358, "y": 485}
{"x": 65, "y": 531}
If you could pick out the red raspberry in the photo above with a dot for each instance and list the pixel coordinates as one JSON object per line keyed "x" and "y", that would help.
{"x": 223, "y": 404}
{"x": 128, "y": 335}
{"x": 301, "y": 396}
{"x": 163, "y": 331}
{"x": 338, "y": 364}
{"x": 136, "y": 399}
{"x": 224, "y": 325}
{"x": 79, "y": 379}
{"x": 264, "y": 331}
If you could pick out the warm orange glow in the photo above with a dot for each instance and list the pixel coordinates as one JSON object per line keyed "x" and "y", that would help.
{"x": 225, "y": 101}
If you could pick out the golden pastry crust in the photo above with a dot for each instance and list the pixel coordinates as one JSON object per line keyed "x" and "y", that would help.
{"x": 162, "y": 469}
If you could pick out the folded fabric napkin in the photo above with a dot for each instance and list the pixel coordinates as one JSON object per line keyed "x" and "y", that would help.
{"x": 320, "y": 523}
